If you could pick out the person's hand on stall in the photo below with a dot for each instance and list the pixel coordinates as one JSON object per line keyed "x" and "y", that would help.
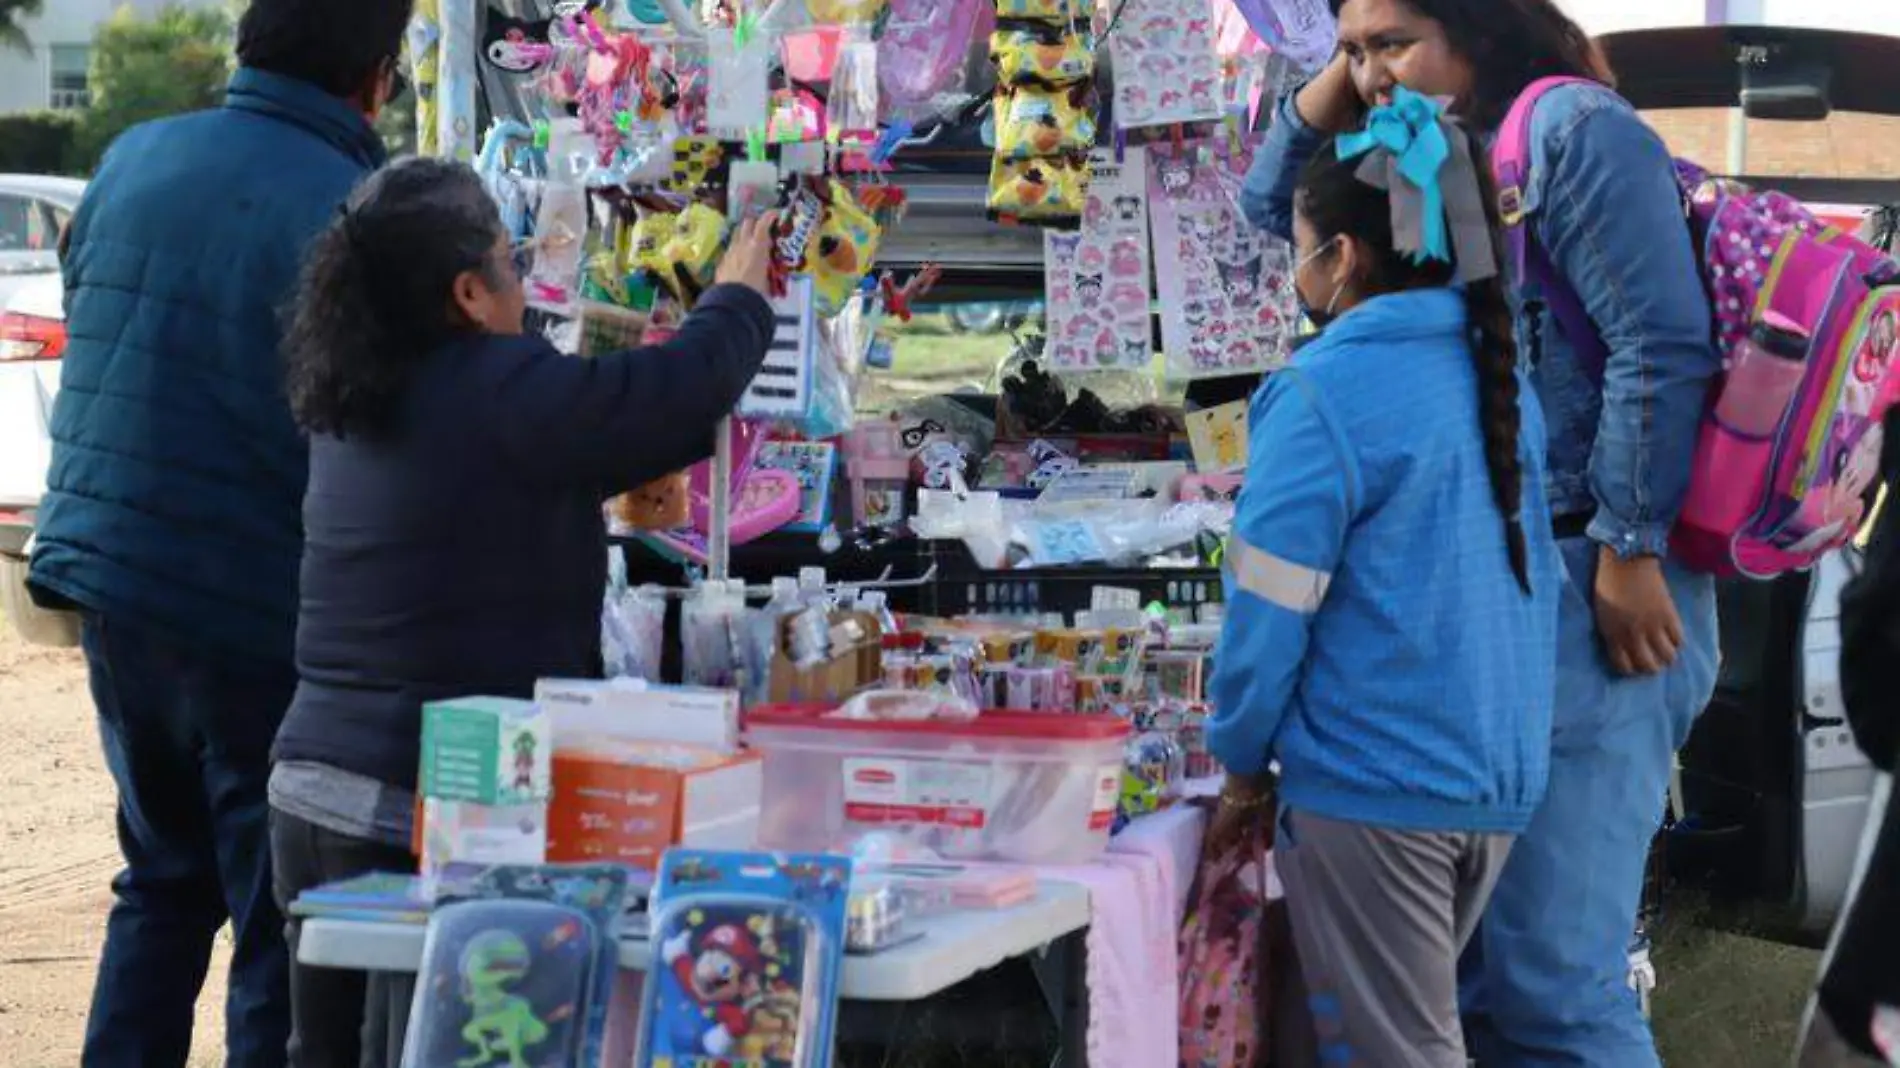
{"x": 1636, "y": 616}
{"x": 748, "y": 259}
{"x": 1244, "y": 813}
{"x": 1330, "y": 102}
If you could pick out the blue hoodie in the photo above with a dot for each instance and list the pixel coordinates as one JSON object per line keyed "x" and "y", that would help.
{"x": 1377, "y": 644}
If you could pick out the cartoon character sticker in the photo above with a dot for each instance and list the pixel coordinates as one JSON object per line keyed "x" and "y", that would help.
{"x": 1226, "y": 305}
{"x": 1097, "y": 278}
{"x": 1166, "y": 68}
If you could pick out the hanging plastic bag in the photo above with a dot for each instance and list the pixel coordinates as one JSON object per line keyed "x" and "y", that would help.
{"x": 632, "y": 633}
{"x": 921, "y": 54}
{"x": 1222, "y": 968}
{"x": 851, "y": 105}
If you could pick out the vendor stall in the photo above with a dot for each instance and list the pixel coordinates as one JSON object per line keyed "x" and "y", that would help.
{"x": 796, "y": 776}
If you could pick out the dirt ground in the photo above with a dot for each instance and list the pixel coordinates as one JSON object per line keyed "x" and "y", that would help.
{"x": 57, "y": 859}
{"x": 1726, "y": 1001}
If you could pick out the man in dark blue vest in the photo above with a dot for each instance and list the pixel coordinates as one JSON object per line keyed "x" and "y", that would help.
{"x": 172, "y": 518}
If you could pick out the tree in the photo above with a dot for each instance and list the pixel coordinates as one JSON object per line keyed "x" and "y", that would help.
{"x": 13, "y": 16}
{"x": 148, "y": 67}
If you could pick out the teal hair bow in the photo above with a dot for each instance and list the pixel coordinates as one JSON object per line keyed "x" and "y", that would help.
{"x": 1425, "y": 165}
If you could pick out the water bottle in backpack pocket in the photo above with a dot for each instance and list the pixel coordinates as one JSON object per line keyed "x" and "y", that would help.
{"x": 1791, "y": 446}
{"x": 1808, "y": 323}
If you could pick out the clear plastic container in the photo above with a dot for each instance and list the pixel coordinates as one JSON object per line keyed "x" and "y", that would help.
{"x": 1026, "y": 787}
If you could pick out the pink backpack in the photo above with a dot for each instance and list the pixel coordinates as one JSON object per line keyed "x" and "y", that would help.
{"x": 1808, "y": 322}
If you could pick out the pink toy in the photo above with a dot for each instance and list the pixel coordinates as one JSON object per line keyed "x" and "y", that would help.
{"x": 811, "y": 54}
{"x": 879, "y": 469}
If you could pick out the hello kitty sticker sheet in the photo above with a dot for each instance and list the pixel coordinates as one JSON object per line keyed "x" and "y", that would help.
{"x": 1225, "y": 288}
{"x": 1166, "y": 71}
{"x": 1096, "y": 277}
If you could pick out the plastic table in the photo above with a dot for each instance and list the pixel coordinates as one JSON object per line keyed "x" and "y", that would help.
{"x": 955, "y": 946}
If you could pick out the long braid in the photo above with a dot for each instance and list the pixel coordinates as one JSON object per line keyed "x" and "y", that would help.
{"x": 1333, "y": 201}
{"x": 1494, "y": 353}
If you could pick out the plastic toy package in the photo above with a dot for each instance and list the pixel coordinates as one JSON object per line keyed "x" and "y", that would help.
{"x": 519, "y": 972}
{"x": 748, "y": 950}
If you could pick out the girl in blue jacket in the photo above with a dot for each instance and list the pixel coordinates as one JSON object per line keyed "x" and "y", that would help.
{"x": 1637, "y": 646}
{"x": 1393, "y": 591}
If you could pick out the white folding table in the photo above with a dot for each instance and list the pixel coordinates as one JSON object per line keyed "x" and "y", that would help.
{"x": 955, "y": 946}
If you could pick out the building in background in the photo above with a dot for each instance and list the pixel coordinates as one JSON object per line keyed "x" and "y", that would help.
{"x": 54, "y": 74}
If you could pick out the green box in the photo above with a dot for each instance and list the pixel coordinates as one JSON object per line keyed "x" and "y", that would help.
{"x": 489, "y": 750}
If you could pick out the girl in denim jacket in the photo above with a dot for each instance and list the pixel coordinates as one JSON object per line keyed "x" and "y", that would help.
{"x": 1636, "y": 661}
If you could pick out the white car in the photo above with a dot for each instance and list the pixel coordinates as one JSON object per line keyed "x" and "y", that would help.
{"x": 32, "y": 340}
{"x": 33, "y": 211}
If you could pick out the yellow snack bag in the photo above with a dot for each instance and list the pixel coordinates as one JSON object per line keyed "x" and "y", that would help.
{"x": 1029, "y": 57}
{"x": 1052, "y": 11}
{"x": 1033, "y": 122}
{"x": 841, "y": 252}
{"x": 1050, "y": 191}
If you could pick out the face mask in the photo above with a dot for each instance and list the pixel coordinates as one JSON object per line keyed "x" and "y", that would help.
{"x": 1320, "y": 318}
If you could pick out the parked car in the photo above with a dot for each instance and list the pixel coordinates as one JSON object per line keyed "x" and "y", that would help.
{"x": 33, "y": 211}
{"x": 32, "y": 340}
{"x": 993, "y": 317}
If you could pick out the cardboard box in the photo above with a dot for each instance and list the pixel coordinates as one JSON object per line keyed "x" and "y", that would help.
{"x": 583, "y": 709}
{"x": 461, "y": 832}
{"x": 850, "y": 670}
{"x": 608, "y": 807}
{"x": 488, "y": 750}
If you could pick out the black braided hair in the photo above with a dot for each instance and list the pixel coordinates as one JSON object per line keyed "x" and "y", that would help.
{"x": 1333, "y": 200}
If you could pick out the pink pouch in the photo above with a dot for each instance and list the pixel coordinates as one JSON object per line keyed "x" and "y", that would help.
{"x": 1221, "y": 963}
{"x": 924, "y": 47}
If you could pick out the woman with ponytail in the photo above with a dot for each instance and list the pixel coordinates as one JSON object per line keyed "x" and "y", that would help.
{"x": 1547, "y": 982}
{"x": 1393, "y": 588}
{"x": 453, "y": 541}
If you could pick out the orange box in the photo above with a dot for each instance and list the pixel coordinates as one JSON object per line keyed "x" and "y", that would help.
{"x": 609, "y": 808}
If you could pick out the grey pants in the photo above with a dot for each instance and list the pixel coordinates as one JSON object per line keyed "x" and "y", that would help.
{"x": 1379, "y": 918}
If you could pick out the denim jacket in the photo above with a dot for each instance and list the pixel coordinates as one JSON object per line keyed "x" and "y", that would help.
{"x": 1604, "y": 202}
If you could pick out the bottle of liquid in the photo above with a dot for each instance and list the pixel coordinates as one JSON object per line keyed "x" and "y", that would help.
{"x": 1766, "y": 374}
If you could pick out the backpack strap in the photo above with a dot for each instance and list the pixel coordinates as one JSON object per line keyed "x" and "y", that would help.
{"x": 1511, "y": 168}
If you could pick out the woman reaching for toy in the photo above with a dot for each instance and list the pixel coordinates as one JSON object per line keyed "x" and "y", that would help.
{"x": 454, "y": 540}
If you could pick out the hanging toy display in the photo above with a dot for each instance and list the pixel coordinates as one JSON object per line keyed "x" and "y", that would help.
{"x": 1042, "y": 112}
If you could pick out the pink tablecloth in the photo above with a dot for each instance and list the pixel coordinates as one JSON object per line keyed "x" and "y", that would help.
{"x": 1138, "y": 893}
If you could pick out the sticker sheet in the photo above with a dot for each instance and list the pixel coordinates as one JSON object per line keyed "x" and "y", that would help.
{"x": 1096, "y": 277}
{"x": 1166, "y": 71}
{"x": 1225, "y": 288}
